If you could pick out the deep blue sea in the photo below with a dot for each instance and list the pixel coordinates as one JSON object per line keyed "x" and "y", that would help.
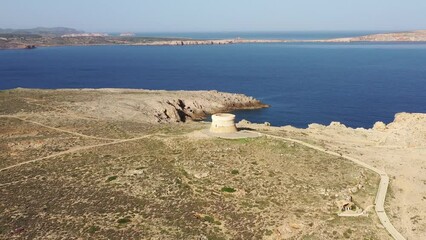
{"x": 356, "y": 84}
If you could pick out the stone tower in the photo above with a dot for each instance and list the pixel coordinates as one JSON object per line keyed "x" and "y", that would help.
{"x": 223, "y": 123}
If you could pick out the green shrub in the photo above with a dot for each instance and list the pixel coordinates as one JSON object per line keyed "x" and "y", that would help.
{"x": 208, "y": 218}
{"x": 111, "y": 178}
{"x": 228, "y": 189}
{"x": 123, "y": 220}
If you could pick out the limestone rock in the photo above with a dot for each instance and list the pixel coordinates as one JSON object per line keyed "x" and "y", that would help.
{"x": 161, "y": 106}
{"x": 313, "y": 126}
{"x": 244, "y": 122}
{"x": 336, "y": 125}
{"x": 379, "y": 126}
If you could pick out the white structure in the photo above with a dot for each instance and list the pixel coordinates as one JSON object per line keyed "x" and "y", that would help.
{"x": 223, "y": 123}
{"x": 73, "y": 35}
{"x": 127, "y": 35}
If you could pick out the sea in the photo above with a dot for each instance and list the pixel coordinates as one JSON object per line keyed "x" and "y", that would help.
{"x": 356, "y": 84}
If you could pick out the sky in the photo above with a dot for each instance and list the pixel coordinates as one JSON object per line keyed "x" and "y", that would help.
{"x": 215, "y": 15}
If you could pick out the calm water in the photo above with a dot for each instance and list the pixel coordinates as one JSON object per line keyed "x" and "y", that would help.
{"x": 356, "y": 84}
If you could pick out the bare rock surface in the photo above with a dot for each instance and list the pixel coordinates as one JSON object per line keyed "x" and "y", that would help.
{"x": 149, "y": 106}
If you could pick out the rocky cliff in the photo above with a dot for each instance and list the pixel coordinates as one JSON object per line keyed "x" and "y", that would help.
{"x": 148, "y": 106}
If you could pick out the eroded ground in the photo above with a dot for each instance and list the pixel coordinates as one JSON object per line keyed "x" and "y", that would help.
{"x": 116, "y": 179}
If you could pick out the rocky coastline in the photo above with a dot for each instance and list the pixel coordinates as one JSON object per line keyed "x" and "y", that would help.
{"x": 138, "y": 105}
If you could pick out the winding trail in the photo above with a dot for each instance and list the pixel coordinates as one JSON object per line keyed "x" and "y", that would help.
{"x": 379, "y": 200}
{"x": 381, "y": 192}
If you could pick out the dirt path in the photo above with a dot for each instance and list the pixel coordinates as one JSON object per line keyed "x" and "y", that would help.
{"x": 58, "y": 129}
{"x": 114, "y": 141}
{"x": 381, "y": 192}
{"x": 379, "y": 201}
{"x": 76, "y": 150}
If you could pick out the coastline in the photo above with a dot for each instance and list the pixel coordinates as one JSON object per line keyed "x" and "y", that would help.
{"x": 212, "y": 42}
{"x": 148, "y": 106}
{"x": 18, "y": 43}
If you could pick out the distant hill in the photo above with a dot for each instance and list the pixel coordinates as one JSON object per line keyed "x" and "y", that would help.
{"x": 56, "y": 31}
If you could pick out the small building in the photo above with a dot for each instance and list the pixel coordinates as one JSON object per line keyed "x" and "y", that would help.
{"x": 223, "y": 123}
{"x": 345, "y": 205}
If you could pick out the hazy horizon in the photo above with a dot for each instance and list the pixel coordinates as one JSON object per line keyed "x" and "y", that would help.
{"x": 213, "y": 31}
{"x": 219, "y": 16}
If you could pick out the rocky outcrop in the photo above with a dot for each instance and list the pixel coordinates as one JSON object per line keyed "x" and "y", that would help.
{"x": 183, "y": 110}
{"x": 407, "y": 129}
{"x": 161, "y": 106}
{"x": 379, "y": 126}
{"x": 177, "y": 111}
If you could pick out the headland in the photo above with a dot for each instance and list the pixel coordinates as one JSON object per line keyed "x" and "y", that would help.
{"x": 105, "y": 163}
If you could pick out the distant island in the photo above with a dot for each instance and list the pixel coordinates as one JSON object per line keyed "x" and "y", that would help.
{"x": 48, "y": 37}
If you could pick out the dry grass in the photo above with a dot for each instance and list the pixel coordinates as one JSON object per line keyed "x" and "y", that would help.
{"x": 170, "y": 186}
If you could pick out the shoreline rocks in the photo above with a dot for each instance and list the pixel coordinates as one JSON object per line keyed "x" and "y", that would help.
{"x": 150, "y": 106}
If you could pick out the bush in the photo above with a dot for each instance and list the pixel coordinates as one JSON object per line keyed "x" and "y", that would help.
{"x": 111, "y": 178}
{"x": 123, "y": 220}
{"x": 228, "y": 189}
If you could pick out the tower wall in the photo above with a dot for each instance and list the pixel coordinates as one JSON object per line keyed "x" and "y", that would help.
{"x": 223, "y": 123}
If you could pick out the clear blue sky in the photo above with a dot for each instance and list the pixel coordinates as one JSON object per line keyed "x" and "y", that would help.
{"x": 215, "y": 15}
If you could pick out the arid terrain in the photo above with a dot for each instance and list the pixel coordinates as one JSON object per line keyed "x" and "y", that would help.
{"x": 125, "y": 164}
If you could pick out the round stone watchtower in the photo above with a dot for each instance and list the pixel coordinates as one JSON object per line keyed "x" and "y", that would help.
{"x": 223, "y": 123}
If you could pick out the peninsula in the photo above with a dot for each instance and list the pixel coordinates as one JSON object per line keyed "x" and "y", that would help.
{"x": 121, "y": 163}
{"x": 41, "y": 37}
